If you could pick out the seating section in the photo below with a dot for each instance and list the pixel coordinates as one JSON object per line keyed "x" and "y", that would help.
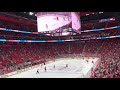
{"x": 14, "y": 57}
{"x": 17, "y": 26}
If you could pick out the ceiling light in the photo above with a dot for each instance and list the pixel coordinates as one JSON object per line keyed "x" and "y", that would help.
{"x": 31, "y": 13}
{"x": 87, "y": 14}
{"x": 100, "y": 12}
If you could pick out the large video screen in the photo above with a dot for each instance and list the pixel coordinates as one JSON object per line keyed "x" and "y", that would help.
{"x": 50, "y": 21}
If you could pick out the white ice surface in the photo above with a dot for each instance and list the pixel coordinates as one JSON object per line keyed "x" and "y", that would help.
{"x": 76, "y": 68}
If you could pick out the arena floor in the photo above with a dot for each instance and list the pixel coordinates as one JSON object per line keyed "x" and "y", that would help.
{"x": 77, "y": 68}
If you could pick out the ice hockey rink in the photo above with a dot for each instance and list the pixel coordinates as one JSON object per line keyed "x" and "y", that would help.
{"x": 77, "y": 68}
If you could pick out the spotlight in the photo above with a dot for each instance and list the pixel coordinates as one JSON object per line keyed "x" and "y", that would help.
{"x": 87, "y": 14}
{"x": 31, "y": 13}
{"x": 100, "y": 12}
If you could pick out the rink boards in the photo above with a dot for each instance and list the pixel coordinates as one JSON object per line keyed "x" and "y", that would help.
{"x": 77, "y": 68}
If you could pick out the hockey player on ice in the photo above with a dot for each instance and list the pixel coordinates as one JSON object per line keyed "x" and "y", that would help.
{"x": 87, "y": 61}
{"x": 45, "y": 68}
{"x": 44, "y": 63}
{"x": 41, "y": 65}
{"x": 92, "y": 62}
{"x": 37, "y": 71}
{"x": 66, "y": 65}
{"x": 46, "y": 26}
{"x": 54, "y": 66}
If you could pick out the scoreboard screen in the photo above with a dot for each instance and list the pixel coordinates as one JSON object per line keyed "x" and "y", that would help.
{"x": 50, "y": 21}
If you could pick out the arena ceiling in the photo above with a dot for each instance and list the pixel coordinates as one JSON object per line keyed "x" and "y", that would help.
{"x": 90, "y": 20}
{"x": 32, "y": 15}
{"x": 85, "y": 16}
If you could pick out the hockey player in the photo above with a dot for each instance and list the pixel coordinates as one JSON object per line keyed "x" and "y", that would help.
{"x": 37, "y": 71}
{"x": 57, "y": 18}
{"x": 44, "y": 63}
{"x": 54, "y": 67}
{"x": 45, "y": 68}
{"x": 87, "y": 61}
{"x": 91, "y": 70}
{"x": 92, "y": 62}
{"x": 66, "y": 65}
{"x": 46, "y": 26}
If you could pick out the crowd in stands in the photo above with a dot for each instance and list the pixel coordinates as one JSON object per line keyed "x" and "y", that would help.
{"x": 17, "y": 26}
{"x": 109, "y": 67}
{"x": 14, "y": 57}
